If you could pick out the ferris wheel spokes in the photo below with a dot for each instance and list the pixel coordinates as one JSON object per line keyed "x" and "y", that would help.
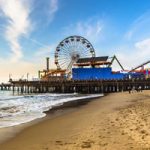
{"x": 70, "y": 50}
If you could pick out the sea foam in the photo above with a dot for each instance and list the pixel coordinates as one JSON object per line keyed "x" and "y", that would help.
{"x": 15, "y": 110}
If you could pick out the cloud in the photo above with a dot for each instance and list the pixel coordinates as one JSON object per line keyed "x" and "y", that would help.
{"x": 31, "y": 66}
{"x": 139, "y": 27}
{"x": 143, "y": 48}
{"x": 53, "y": 7}
{"x": 90, "y": 29}
{"x": 44, "y": 12}
{"x": 138, "y": 54}
{"x": 135, "y": 48}
{"x": 144, "y": 44}
{"x": 18, "y": 23}
{"x": 45, "y": 51}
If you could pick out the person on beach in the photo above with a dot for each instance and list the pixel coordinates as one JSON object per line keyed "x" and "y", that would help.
{"x": 129, "y": 89}
{"x": 140, "y": 89}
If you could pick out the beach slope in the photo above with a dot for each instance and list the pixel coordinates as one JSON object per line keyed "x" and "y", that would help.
{"x": 117, "y": 121}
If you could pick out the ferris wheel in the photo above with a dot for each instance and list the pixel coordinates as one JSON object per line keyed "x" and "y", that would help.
{"x": 70, "y": 50}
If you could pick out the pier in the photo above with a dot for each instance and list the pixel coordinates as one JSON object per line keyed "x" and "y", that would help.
{"x": 82, "y": 72}
{"x": 89, "y": 86}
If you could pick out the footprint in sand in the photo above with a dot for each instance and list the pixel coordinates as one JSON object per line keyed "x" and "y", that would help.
{"x": 103, "y": 144}
{"x": 87, "y": 144}
{"x": 59, "y": 142}
{"x": 143, "y": 131}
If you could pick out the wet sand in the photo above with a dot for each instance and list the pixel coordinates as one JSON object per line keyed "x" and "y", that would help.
{"x": 119, "y": 121}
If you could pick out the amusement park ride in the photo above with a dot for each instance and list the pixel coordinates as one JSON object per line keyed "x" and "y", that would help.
{"x": 77, "y": 53}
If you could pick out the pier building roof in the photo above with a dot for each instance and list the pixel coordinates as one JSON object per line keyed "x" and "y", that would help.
{"x": 93, "y": 61}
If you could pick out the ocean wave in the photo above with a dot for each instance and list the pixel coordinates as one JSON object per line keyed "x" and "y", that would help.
{"x": 22, "y": 109}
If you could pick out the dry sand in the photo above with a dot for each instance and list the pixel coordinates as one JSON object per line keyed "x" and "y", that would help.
{"x": 119, "y": 121}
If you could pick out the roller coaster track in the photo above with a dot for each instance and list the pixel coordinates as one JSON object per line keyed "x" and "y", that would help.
{"x": 143, "y": 64}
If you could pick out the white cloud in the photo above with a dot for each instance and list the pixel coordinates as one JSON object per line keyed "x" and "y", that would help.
{"x": 90, "y": 29}
{"x": 139, "y": 27}
{"x": 144, "y": 44}
{"x": 31, "y": 67}
{"x": 138, "y": 54}
{"x": 17, "y": 14}
{"x": 53, "y": 8}
{"x": 135, "y": 48}
{"x": 45, "y": 51}
{"x": 143, "y": 48}
{"x": 17, "y": 24}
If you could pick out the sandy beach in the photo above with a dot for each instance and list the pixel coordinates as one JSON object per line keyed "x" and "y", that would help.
{"x": 118, "y": 121}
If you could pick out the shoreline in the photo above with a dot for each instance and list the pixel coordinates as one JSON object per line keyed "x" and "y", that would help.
{"x": 116, "y": 121}
{"x": 8, "y": 133}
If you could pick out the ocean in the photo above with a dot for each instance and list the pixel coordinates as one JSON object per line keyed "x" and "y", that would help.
{"x": 18, "y": 109}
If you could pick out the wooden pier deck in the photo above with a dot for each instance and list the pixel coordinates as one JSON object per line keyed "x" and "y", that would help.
{"x": 79, "y": 86}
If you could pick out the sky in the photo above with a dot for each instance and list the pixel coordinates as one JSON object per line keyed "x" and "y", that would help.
{"x": 30, "y": 30}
